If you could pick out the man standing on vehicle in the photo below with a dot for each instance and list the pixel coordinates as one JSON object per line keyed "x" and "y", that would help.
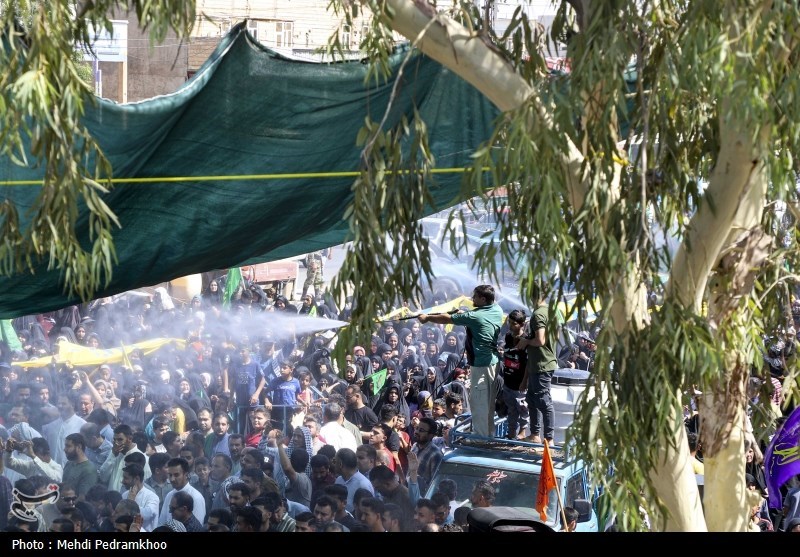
{"x": 542, "y": 363}
{"x": 515, "y": 373}
{"x": 483, "y": 327}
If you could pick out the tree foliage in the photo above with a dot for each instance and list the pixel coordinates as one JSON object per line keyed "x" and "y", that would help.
{"x": 43, "y": 92}
{"x": 677, "y": 121}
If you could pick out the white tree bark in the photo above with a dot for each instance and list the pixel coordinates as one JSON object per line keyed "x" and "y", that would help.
{"x": 453, "y": 46}
{"x": 724, "y": 497}
{"x": 471, "y": 58}
{"x": 676, "y": 485}
{"x": 709, "y": 230}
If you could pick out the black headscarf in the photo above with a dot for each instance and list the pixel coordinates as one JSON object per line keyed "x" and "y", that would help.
{"x": 198, "y": 398}
{"x": 403, "y": 335}
{"x": 437, "y": 332}
{"x": 457, "y": 349}
{"x": 400, "y": 405}
{"x": 450, "y": 366}
{"x": 68, "y": 333}
{"x": 135, "y": 415}
{"x": 433, "y": 387}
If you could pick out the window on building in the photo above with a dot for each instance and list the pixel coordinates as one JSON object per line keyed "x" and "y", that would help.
{"x": 252, "y": 27}
{"x": 364, "y": 31}
{"x": 283, "y": 34}
{"x": 346, "y": 36}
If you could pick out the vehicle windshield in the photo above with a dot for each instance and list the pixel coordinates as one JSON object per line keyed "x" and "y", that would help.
{"x": 512, "y": 489}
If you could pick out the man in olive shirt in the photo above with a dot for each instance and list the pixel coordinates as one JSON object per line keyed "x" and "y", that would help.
{"x": 483, "y": 327}
{"x": 542, "y": 362}
{"x": 79, "y": 471}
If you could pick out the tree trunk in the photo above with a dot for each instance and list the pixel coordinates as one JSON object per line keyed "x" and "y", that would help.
{"x": 724, "y": 496}
{"x": 676, "y": 485}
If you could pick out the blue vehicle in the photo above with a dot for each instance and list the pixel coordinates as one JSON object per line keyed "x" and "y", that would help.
{"x": 513, "y": 468}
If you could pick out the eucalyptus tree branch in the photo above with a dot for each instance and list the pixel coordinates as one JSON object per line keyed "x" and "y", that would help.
{"x": 395, "y": 88}
{"x": 453, "y": 46}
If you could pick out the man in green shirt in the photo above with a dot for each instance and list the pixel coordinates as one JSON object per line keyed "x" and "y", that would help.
{"x": 483, "y": 327}
{"x": 542, "y": 362}
{"x": 78, "y": 470}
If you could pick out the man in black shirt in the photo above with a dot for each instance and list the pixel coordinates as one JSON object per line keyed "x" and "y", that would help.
{"x": 359, "y": 413}
{"x": 515, "y": 381}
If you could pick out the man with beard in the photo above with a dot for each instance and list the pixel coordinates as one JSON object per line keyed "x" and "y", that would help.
{"x": 111, "y": 470}
{"x": 359, "y": 413}
{"x": 235, "y": 448}
{"x": 321, "y": 476}
{"x": 56, "y": 431}
{"x": 221, "y": 474}
{"x": 182, "y": 510}
{"x": 178, "y": 474}
{"x": 238, "y": 496}
{"x": 483, "y": 327}
{"x": 204, "y": 422}
{"x": 97, "y": 447}
{"x": 136, "y": 490}
{"x": 217, "y": 440}
{"x": 158, "y": 482}
{"x": 79, "y": 470}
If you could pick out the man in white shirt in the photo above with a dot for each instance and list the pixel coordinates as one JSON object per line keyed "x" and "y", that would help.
{"x": 136, "y": 490}
{"x": 38, "y": 463}
{"x": 56, "y": 431}
{"x": 111, "y": 470}
{"x": 333, "y": 432}
{"x": 178, "y": 473}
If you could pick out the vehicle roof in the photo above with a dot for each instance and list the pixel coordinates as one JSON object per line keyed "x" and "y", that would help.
{"x": 508, "y": 461}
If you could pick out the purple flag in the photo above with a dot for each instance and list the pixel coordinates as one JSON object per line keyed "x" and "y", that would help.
{"x": 782, "y": 459}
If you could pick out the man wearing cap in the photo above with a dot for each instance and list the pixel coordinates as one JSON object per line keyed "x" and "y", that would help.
{"x": 587, "y": 349}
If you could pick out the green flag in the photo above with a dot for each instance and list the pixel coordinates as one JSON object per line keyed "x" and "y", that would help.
{"x": 378, "y": 380}
{"x": 9, "y": 335}
{"x": 231, "y": 284}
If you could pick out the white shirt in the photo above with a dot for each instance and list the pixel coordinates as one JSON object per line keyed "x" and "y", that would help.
{"x": 148, "y": 507}
{"x": 111, "y": 470}
{"x": 56, "y": 433}
{"x": 337, "y": 436}
{"x": 199, "y": 510}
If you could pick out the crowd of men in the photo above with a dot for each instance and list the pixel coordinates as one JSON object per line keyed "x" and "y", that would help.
{"x": 241, "y": 427}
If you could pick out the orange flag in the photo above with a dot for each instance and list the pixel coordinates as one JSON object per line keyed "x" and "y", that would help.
{"x": 547, "y": 481}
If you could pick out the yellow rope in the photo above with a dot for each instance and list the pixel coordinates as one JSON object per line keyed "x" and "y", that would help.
{"x": 242, "y": 177}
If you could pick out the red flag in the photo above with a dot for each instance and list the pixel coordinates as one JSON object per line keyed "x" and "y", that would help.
{"x": 547, "y": 481}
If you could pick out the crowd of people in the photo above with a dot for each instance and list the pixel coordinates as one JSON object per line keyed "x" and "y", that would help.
{"x": 242, "y": 424}
{"x": 245, "y": 425}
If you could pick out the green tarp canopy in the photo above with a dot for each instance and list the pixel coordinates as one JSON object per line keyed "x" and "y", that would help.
{"x": 247, "y": 111}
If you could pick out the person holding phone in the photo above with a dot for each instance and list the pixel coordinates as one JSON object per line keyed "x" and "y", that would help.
{"x": 136, "y": 490}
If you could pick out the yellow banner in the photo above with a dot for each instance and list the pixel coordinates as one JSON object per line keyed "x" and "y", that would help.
{"x": 83, "y": 356}
{"x": 441, "y": 308}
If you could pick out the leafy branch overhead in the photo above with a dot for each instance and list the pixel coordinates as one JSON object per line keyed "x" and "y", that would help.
{"x": 632, "y": 179}
{"x": 43, "y": 95}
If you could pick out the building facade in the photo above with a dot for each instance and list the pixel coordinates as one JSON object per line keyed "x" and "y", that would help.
{"x": 296, "y": 28}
